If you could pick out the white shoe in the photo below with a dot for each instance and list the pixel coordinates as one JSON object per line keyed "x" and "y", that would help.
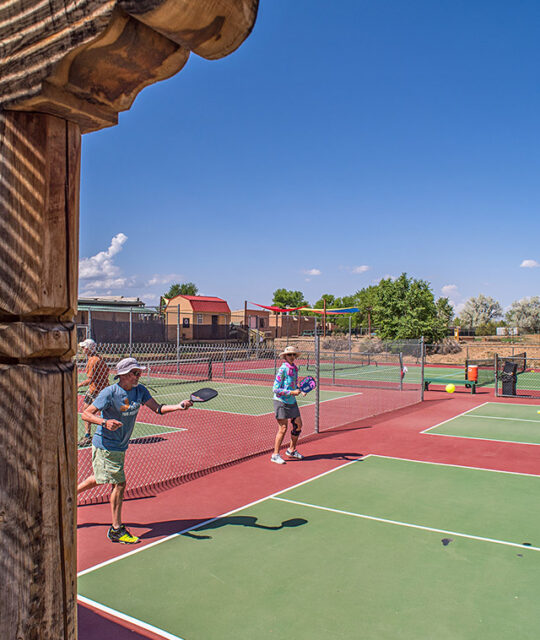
{"x": 277, "y": 459}
{"x": 294, "y": 454}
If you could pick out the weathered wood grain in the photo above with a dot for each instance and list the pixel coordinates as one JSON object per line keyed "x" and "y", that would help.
{"x": 86, "y": 61}
{"x": 37, "y": 502}
{"x": 39, "y": 199}
{"x": 26, "y": 340}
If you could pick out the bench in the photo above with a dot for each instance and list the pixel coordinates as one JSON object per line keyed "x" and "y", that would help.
{"x": 458, "y": 382}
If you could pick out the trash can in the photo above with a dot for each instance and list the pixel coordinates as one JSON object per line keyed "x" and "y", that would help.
{"x": 509, "y": 378}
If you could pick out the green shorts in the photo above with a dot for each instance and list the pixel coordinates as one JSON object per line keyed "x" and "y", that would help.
{"x": 108, "y": 466}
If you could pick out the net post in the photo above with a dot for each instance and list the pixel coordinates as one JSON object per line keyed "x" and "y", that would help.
{"x": 318, "y": 378}
{"x": 422, "y": 367}
{"x": 334, "y": 368}
{"x": 497, "y": 375}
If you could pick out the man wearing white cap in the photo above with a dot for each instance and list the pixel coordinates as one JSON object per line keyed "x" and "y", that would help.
{"x": 286, "y": 408}
{"x": 97, "y": 378}
{"x": 115, "y": 412}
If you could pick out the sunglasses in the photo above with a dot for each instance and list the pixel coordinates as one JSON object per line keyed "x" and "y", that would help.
{"x": 137, "y": 374}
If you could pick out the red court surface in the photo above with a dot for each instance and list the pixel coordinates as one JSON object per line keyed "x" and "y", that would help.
{"x": 396, "y": 434}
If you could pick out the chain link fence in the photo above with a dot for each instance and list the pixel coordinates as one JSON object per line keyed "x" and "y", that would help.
{"x": 239, "y": 423}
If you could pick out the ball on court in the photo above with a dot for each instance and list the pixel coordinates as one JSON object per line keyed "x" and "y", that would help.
{"x": 538, "y": 411}
{"x": 450, "y": 388}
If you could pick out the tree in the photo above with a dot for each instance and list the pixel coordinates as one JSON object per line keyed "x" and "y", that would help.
{"x": 286, "y": 298}
{"x": 480, "y": 310}
{"x": 525, "y": 314}
{"x": 405, "y": 309}
{"x": 185, "y": 289}
{"x": 445, "y": 311}
{"x": 328, "y": 298}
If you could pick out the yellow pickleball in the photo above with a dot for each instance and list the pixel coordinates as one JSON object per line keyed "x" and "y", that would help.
{"x": 450, "y": 388}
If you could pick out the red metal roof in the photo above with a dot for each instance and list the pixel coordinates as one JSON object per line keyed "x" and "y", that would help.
{"x": 209, "y": 304}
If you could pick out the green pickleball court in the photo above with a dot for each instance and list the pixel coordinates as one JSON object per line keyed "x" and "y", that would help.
{"x": 381, "y": 548}
{"x": 495, "y": 421}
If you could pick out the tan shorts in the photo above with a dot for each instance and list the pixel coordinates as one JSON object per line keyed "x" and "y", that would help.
{"x": 108, "y": 466}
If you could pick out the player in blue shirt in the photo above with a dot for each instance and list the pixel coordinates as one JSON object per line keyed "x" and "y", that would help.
{"x": 115, "y": 411}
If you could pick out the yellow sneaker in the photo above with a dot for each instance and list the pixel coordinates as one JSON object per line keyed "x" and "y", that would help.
{"x": 121, "y": 535}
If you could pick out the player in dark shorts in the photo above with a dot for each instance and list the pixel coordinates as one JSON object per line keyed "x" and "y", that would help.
{"x": 285, "y": 406}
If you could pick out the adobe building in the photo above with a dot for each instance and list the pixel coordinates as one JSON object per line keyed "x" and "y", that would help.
{"x": 197, "y": 318}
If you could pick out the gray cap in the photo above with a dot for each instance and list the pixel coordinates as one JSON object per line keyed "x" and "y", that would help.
{"x": 126, "y": 365}
{"x": 88, "y": 344}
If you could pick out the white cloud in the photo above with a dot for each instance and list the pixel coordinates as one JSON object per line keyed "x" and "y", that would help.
{"x": 171, "y": 278}
{"x": 361, "y": 269}
{"x": 99, "y": 275}
{"x": 312, "y": 272}
{"x": 450, "y": 290}
{"x": 529, "y": 264}
{"x": 102, "y": 265}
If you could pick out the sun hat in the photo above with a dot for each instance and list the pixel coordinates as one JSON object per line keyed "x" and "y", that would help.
{"x": 126, "y": 365}
{"x": 88, "y": 344}
{"x": 289, "y": 351}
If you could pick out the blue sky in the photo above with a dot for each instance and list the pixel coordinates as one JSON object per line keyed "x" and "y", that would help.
{"x": 342, "y": 143}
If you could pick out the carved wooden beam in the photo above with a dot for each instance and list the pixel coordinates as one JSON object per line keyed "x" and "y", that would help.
{"x": 85, "y": 61}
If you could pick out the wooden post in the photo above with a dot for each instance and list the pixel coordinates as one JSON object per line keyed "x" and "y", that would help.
{"x": 39, "y": 199}
{"x": 65, "y": 68}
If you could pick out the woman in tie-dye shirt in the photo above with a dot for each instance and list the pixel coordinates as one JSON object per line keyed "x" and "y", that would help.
{"x": 286, "y": 408}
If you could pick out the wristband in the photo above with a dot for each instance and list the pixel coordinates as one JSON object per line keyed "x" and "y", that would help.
{"x": 158, "y": 410}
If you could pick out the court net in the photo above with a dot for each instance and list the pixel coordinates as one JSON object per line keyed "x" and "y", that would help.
{"x": 167, "y": 373}
{"x": 167, "y": 449}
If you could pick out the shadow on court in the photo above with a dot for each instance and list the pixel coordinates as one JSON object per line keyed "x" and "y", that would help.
{"x": 334, "y": 456}
{"x": 242, "y": 521}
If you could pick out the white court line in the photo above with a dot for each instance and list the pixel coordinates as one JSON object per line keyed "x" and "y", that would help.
{"x": 456, "y": 466}
{"x": 210, "y": 520}
{"x": 449, "y": 435}
{"x": 507, "y": 418}
{"x": 473, "y": 415}
{"x": 123, "y": 616}
{"x": 409, "y": 525}
{"x": 306, "y": 403}
{"x": 454, "y": 417}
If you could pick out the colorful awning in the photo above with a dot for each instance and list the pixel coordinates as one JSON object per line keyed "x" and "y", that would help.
{"x": 328, "y": 311}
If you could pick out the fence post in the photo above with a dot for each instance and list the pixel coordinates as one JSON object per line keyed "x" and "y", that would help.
{"x": 334, "y": 368}
{"x": 401, "y": 373}
{"x": 130, "y": 331}
{"x": 318, "y": 378}
{"x": 224, "y": 359}
{"x": 422, "y": 366}
{"x": 350, "y": 337}
{"x": 90, "y": 332}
